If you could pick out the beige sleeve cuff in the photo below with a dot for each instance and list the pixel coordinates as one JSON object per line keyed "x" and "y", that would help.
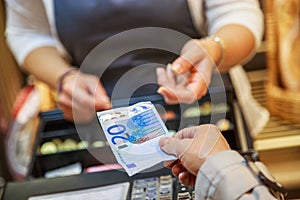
{"x": 224, "y": 176}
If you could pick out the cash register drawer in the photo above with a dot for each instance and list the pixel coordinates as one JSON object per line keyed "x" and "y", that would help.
{"x": 91, "y": 148}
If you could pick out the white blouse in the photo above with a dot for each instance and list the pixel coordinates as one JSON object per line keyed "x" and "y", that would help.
{"x": 31, "y": 23}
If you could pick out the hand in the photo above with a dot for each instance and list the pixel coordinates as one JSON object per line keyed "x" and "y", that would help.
{"x": 188, "y": 77}
{"x": 192, "y": 146}
{"x": 81, "y": 95}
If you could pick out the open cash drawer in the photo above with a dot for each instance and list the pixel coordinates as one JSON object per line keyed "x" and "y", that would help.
{"x": 90, "y": 148}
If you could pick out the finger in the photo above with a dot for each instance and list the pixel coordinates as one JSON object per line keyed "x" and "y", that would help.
{"x": 165, "y": 77}
{"x": 189, "y": 133}
{"x": 210, "y": 140}
{"x": 78, "y": 86}
{"x": 198, "y": 88}
{"x": 77, "y": 113}
{"x": 90, "y": 92}
{"x": 161, "y": 76}
{"x": 187, "y": 178}
{"x": 174, "y": 146}
{"x": 192, "y": 91}
{"x": 70, "y": 103}
{"x": 82, "y": 106}
{"x": 167, "y": 92}
{"x": 191, "y": 53}
{"x": 96, "y": 89}
{"x": 83, "y": 99}
{"x": 182, "y": 79}
{"x": 205, "y": 69}
{"x": 175, "y": 95}
{"x": 64, "y": 99}
{"x": 67, "y": 112}
{"x": 167, "y": 99}
{"x": 172, "y": 92}
{"x": 82, "y": 113}
{"x": 190, "y": 88}
{"x": 181, "y": 65}
{"x": 177, "y": 169}
{"x": 199, "y": 79}
{"x": 81, "y": 94}
{"x": 74, "y": 109}
{"x": 162, "y": 79}
{"x": 170, "y": 75}
{"x": 70, "y": 108}
{"x": 102, "y": 101}
{"x": 182, "y": 94}
{"x": 170, "y": 163}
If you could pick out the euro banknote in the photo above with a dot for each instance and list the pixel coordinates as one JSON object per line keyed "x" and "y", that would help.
{"x": 133, "y": 133}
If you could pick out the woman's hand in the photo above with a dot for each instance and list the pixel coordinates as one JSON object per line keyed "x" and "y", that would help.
{"x": 192, "y": 146}
{"x": 81, "y": 94}
{"x": 188, "y": 77}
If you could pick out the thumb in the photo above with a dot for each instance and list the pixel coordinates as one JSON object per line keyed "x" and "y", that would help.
{"x": 192, "y": 52}
{"x": 181, "y": 65}
{"x": 102, "y": 101}
{"x": 174, "y": 146}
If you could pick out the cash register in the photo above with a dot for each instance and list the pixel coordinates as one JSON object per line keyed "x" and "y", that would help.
{"x": 91, "y": 149}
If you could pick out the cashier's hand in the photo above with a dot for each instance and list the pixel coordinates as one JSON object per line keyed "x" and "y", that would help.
{"x": 188, "y": 77}
{"x": 192, "y": 146}
{"x": 81, "y": 95}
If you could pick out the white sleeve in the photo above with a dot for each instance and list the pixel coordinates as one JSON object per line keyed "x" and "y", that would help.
{"x": 242, "y": 12}
{"x": 225, "y": 176}
{"x": 27, "y": 27}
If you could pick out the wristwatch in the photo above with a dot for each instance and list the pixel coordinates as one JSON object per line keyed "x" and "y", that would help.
{"x": 260, "y": 171}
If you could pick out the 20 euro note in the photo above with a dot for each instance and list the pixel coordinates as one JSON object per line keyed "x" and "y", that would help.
{"x": 133, "y": 133}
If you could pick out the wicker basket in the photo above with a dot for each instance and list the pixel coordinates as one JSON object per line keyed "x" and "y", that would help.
{"x": 280, "y": 101}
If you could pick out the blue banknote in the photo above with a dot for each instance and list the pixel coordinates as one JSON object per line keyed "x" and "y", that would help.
{"x": 133, "y": 133}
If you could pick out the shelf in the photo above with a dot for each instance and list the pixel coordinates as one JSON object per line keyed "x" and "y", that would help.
{"x": 278, "y": 143}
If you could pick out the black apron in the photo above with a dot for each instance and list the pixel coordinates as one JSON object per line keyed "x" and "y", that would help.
{"x": 84, "y": 24}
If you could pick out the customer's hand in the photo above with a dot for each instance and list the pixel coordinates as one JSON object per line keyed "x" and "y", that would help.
{"x": 81, "y": 95}
{"x": 192, "y": 146}
{"x": 188, "y": 77}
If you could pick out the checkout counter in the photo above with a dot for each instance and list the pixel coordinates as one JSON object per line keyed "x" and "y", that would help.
{"x": 53, "y": 126}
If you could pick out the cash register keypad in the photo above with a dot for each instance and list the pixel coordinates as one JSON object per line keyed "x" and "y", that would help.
{"x": 160, "y": 188}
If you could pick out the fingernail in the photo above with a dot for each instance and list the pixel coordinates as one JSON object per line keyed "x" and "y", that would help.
{"x": 163, "y": 141}
{"x": 108, "y": 105}
{"x": 160, "y": 90}
{"x": 105, "y": 99}
{"x": 169, "y": 65}
{"x": 177, "y": 68}
{"x": 106, "y": 102}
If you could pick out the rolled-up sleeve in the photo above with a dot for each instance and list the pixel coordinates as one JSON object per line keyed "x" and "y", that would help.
{"x": 27, "y": 27}
{"x": 246, "y": 13}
